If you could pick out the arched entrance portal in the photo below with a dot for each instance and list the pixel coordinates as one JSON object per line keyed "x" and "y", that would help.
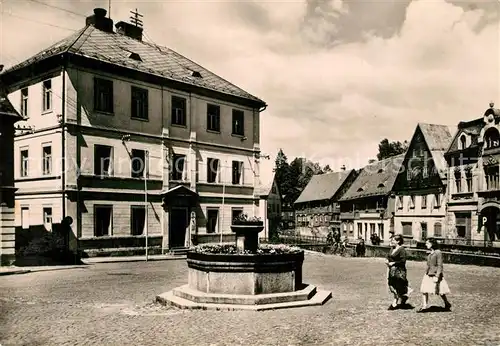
{"x": 490, "y": 217}
{"x": 179, "y": 203}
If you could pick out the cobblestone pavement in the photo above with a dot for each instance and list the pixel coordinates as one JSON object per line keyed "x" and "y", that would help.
{"x": 112, "y": 304}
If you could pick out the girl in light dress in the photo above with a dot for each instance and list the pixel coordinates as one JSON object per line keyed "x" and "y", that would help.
{"x": 433, "y": 281}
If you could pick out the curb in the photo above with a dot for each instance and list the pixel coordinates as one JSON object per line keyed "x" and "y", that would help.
{"x": 14, "y": 272}
{"x": 121, "y": 260}
{"x": 40, "y": 269}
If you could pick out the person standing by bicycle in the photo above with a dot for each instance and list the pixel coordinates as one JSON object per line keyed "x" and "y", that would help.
{"x": 343, "y": 246}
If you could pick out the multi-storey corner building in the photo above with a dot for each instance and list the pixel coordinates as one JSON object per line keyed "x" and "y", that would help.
{"x": 8, "y": 117}
{"x": 368, "y": 205}
{"x": 317, "y": 208}
{"x": 474, "y": 183}
{"x": 131, "y": 138}
{"x": 420, "y": 187}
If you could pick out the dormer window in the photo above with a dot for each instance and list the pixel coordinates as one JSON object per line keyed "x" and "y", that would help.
{"x": 135, "y": 56}
{"x": 360, "y": 189}
{"x": 463, "y": 142}
{"x": 381, "y": 170}
{"x": 381, "y": 185}
{"x": 492, "y": 138}
{"x": 193, "y": 73}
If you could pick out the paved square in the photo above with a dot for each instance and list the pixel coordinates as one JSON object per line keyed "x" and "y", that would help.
{"x": 112, "y": 304}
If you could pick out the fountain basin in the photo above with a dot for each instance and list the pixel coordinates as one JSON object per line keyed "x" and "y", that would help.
{"x": 229, "y": 277}
{"x": 247, "y": 274}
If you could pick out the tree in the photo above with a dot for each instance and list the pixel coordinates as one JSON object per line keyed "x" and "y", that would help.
{"x": 327, "y": 169}
{"x": 388, "y": 149}
{"x": 302, "y": 170}
{"x": 283, "y": 174}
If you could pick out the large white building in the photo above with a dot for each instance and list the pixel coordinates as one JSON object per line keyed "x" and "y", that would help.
{"x": 101, "y": 103}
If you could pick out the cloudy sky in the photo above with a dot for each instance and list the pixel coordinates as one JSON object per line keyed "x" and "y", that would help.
{"x": 338, "y": 76}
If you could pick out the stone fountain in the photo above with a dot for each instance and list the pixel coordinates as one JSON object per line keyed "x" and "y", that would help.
{"x": 249, "y": 278}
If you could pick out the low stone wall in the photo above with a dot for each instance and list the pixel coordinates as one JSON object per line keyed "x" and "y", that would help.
{"x": 317, "y": 231}
{"x": 119, "y": 246}
{"x": 448, "y": 257}
{"x": 118, "y": 242}
{"x": 418, "y": 255}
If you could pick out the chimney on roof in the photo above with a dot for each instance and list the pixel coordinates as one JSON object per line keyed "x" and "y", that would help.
{"x": 99, "y": 20}
{"x": 342, "y": 168}
{"x": 133, "y": 29}
{"x": 129, "y": 30}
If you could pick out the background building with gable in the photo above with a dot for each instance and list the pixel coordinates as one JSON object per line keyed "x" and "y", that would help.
{"x": 270, "y": 208}
{"x": 420, "y": 187}
{"x": 367, "y": 206}
{"x": 317, "y": 209}
{"x": 131, "y": 139}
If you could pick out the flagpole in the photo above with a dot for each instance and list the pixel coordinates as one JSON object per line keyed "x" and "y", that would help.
{"x": 146, "y": 203}
{"x": 223, "y": 198}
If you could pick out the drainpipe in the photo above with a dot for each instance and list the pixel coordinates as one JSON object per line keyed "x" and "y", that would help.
{"x": 63, "y": 140}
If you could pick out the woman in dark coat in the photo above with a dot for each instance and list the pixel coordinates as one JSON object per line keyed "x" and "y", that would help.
{"x": 396, "y": 262}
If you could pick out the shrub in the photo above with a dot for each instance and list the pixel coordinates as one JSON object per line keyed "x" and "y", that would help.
{"x": 231, "y": 249}
{"x": 245, "y": 219}
{"x": 46, "y": 245}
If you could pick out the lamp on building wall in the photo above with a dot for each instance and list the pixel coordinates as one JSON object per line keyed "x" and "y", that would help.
{"x": 125, "y": 138}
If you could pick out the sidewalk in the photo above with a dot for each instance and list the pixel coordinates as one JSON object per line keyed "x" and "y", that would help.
{"x": 93, "y": 260}
{"x": 11, "y": 270}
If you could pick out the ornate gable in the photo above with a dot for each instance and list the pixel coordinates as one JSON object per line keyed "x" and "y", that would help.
{"x": 419, "y": 170}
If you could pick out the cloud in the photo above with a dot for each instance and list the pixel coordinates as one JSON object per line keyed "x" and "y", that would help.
{"x": 338, "y": 76}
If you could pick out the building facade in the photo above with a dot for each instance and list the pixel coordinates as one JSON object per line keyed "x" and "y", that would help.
{"x": 421, "y": 186}
{"x": 317, "y": 209}
{"x": 368, "y": 205}
{"x": 474, "y": 184}
{"x": 270, "y": 209}
{"x": 131, "y": 139}
{"x": 8, "y": 117}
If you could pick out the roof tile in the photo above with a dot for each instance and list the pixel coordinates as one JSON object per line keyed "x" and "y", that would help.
{"x": 368, "y": 183}
{"x": 323, "y": 186}
{"x": 116, "y": 48}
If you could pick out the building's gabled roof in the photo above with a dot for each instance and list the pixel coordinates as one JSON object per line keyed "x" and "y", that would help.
{"x": 263, "y": 190}
{"x": 323, "y": 186}
{"x": 436, "y": 136}
{"x": 376, "y": 179}
{"x": 119, "y": 49}
{"x": 438, "y": 139}
{"x": 472, "y": 129}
